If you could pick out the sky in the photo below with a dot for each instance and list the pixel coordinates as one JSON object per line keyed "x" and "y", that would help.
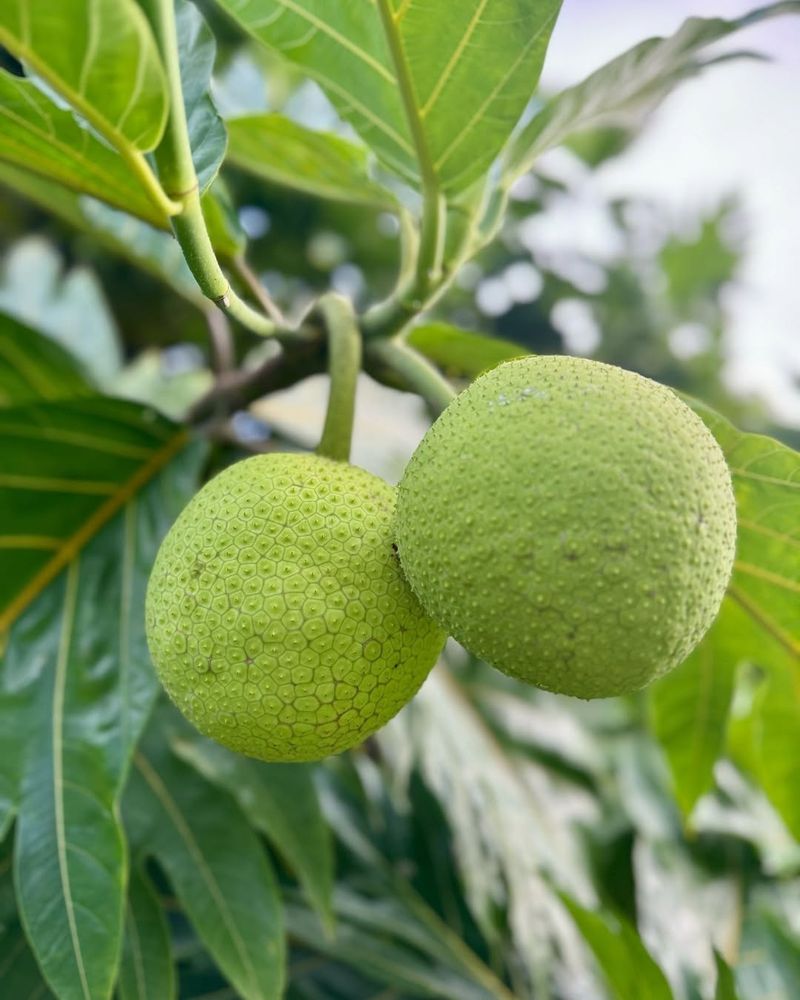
{"x": 735, "y": 129}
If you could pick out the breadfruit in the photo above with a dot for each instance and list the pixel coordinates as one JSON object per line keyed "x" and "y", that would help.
{"x": 571, "y": 523}
{"x": 278, "y": 617}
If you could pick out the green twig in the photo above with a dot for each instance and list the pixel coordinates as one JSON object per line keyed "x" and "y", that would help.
{"x": 413, "y": 371}
{"x": 344, "y": 364}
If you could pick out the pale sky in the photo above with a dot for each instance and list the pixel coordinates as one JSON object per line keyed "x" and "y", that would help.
{"x": 735, "y": 129}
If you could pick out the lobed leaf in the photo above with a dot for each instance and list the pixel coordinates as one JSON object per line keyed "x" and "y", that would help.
{"x": 279, "y": 150}
{"x": 434, "y": 88}
{"x": 100, "y": 56}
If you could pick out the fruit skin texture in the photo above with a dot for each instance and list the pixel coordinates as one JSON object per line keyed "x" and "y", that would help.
{"x": 571, "y": 523}
{"x": 277, "y": 615}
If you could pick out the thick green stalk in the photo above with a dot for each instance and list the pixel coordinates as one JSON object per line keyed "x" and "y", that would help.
{"x": 344, "y": 364}
{"x": 414, "y": 371}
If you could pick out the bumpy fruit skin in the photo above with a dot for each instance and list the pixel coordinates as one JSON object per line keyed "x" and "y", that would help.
{"x": 277, "y": 614}
{"x": 571, "y": 523}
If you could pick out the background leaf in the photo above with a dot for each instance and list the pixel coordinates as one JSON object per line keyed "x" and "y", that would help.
{"x": 100, "y": 56}
{"x": 462, "y": 353}
{"x": 215, "y": 863}
{"x": 34, "y": 367}
{"x": 279, "y": 150}
{"x": 146, "y": 970}
{"x": 471, "y": 67}
{"x": 279, "y": 800}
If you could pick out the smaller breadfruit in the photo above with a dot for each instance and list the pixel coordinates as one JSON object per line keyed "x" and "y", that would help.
{"x": 571, "y": 523}
{"x": 278, "y": 617}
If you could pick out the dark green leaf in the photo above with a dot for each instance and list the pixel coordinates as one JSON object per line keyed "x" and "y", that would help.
{"x": 625, "y": 91}
{"x": 279, "y": 150}
{"x": 462, "y": 353}
{"x": 279, "y": 800}
{"x": 627, "y": 965}
{"x": 146, "y": 971}
{"x": 215, "y": 862}
{"x": 101, "y": 57}
{"x": 34, "y": 367}
{"x": 726, "y": 984}
{"x": 19, "y": 973}
{"x": 39, "y": 136}
{"x": 66, "y": 469}
{"x": 81, "y": 687}
{"x": 458, "y": 76}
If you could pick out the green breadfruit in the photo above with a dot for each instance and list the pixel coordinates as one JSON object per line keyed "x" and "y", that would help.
{"x": 277, "y": 614}
{"x": 571, "y": 523}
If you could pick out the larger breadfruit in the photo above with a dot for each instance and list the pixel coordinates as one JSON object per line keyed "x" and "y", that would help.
{"x": 277, "y": 615}
{"x": 571, "y": 523}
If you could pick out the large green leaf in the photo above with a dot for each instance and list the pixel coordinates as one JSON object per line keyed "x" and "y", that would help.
{"x": 76, "y": 689}
{"x": 34, "y": 367}
{"x": 215, "y": 862}
{"x": 279, "y": 800}
{"x": 65, "y": 469}
{"x": 100, "y": 56}
{"x": 279, "y": 150}
{"x": 628, "y": 967}
{"x": 146, "y": 970}
{"x": 462, "y": 353}
{"x": 37, "y": 135}
{"x": 625, "y": 91}
{"x": 435, "y": 88}
{"x": 19, "y": 973}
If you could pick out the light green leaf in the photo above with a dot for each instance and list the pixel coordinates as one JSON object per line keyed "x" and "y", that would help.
{"x": 776, "y": 731}
{"x": 100, "y": 56}
{"x": 34, "y": 367}
{"x": 80, "y": 687}
{"x": 624, "y": 92}
{"x": 435, "y": 89}
{"x": 66, "y": 469}
{"x": 690, "y": 706}
{"x": 627, "y": 965}
{"x": 146, "y": 970}
{"x": 279, "y": 800}
{"x": 462, "y": 353}
{"x": 38, "y": 136}
{"x": 279, "y": 150}
{"x": 215, "y": 862}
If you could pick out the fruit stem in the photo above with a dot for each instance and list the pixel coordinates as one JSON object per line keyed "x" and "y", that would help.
{"x": 344, "y": 364}
{"x": 415, "y": 372}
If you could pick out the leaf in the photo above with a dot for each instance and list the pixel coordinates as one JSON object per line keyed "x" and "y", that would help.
{"x": 628, "y": 967}
{"x": 769, "y": 965}
{"x": 81, "y": 687}
{"x": 777, "y": 741}
{"x": 726, "y": 984}
{"x": 146, "y": 970}
{"x": 462, "y": 353}
{"x": 279, "y": 800}
{"x": 68, "y": 306}
{"x": 67, "y": 469}
{"x": 278, "y": 150}
{"x": 38, "y": 136}
{"x": 690, "y": 706}
{"x": 100, "y": 56}
{"x": 435, "y": 89}
{"x": 766, "y": 577}
{"x": 215, "y": 863}
{"x": 624, "y": 92}
{"x": 34, "y": 367}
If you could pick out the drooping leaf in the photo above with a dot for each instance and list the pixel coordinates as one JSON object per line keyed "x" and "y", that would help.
{"x": 37, "y": 135}
{"x": 626, "y": 90}
{"x": 76, "y": 689}
{"x": 100, "y": 56}
{"x": 34, "y": 367}
{"x": 146, "y": 970}
{"x": 627, "y": 966}
{"x": 281, "y": 151}
{"x": 462, "y": 353}
{"x": 66, "y": 469}
{"x": 279, "y": 800}
{"x": 433, "y": 88}
{"x": 215, "y": 862}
